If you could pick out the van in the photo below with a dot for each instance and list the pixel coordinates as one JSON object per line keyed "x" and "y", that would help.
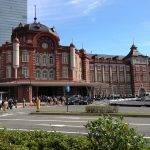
{"x": 146, "y": 97}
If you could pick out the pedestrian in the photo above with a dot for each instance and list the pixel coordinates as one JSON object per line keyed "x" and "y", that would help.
{"x": 5, "y": 104}
{"x": 24, "y": 102}
{"x": 15, "y": 102}
{"x": 10, "y": 103}
{"x": 38, "y": 103}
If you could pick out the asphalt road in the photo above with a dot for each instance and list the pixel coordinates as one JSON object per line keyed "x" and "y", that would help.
{"x": 21, "y": 120}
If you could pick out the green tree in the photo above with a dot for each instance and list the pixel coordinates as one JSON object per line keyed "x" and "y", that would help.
{"x": 107, "y": 133}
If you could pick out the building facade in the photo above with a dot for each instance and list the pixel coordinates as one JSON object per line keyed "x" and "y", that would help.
{"x": 34, "y": 63}
{"x": 12, "y": 12}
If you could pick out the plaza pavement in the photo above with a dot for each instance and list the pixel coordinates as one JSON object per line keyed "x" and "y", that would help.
{"x": 62, "y": 109}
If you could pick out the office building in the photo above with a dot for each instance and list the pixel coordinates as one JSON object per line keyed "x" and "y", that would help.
{"x": 12, "y": 12}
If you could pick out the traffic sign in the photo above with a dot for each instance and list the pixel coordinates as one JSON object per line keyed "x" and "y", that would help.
{"x": 68, "y": 88}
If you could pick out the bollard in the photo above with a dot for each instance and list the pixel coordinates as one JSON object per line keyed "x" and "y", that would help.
{"x": 37, "y": 105}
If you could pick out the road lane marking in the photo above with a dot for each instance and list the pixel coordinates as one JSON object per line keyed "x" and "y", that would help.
{"x": 68, "y": 132}
{"x": 139, "y": 124}
{"x": 6, "y": 114}
{"x": 60, "y": 125}
{"x": 29, "y": 120}
{"x": 75, "y": 118}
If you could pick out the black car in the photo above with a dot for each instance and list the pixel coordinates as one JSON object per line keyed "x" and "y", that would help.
{"x": 73, "y": 100}
{"x": 85, "y": 100}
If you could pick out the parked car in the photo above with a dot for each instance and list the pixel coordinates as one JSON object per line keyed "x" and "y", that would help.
{"x": 85, "y": 100}
{"x": 73, "y": 100}
{"x": 146, "y": 97}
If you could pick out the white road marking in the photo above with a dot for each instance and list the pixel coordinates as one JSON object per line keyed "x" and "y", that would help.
{"x": 29, "y": 120}
{"x": 47, "y": 131}
{"x": 78, "y": 118}
{"x": 20, "y": 112}
{"x": 6, "y": 114}
{"x": 139, "y": 124}
{"x": 60, "y": 125}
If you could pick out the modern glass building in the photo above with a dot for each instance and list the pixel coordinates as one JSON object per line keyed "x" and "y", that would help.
{"x": 12, "y": 12}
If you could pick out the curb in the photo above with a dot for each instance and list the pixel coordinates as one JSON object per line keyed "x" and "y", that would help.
{"x": 91, "y": 114}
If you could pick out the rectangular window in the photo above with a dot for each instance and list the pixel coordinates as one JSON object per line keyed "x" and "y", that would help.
{"x": 144, "y": 77}
{"x": 137, "y": 77}
{"x": 0, "y": 62}
{"x": 137, "y": 68}
{"x": 127, "y": 68}
{"x": 92, "y": 76}
{"x": 8, "y": 57}
{"x": 121, "y": 77}
{"x": 121, "y": 68}
{"x": 65, "y": 58}
{"x": 25, "y": 56}
{"x": 128, "y": 78}
{"x": 129, "y": 90}
{"x": 106, "y": 77}
{"x": 121, "y": 89}
{"x": 98, "y": 67}
{"x": 65, "y": 72}
{"x": 8, "y": 72}
{"x": 25, "y": 72}
{"x": 106, "y": 68}
{"x": 113, "y": 68}
{"x": 115, "y": 89}
{"x": 114, "y": 77}
{"x": 99, "y": 77}
{"x": 0, "y": 74}
{"x": 91, "y": 67}
{"x": 144, "y": 68}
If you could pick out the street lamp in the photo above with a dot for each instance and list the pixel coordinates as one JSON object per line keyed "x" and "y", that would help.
{"x": 29, "y": 90}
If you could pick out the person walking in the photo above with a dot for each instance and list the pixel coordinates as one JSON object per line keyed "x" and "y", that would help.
{"x": 5, "y": 104}
{"x": 24, "y": 102}
{"x": 38, "y": 103}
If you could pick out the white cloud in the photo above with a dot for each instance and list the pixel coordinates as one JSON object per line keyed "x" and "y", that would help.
{"x": 75, "y": 1}
{"x": 62, "y": 9}
{"x": 91, "y": 6}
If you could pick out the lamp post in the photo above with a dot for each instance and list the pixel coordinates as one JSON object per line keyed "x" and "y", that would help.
{"x": 29, "y": 90}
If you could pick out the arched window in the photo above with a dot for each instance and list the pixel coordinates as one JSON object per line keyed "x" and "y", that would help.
{"x": 44, "y": 74}
{"x": 44, "y": 60}
{"x": 38, "y": 74}
{"x": 52, "y": 74}
{"x": 51, "y": 60}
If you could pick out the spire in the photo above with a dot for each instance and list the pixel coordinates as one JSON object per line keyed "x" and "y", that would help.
{"x": 72, "y": 41}
{"x": 133, "y": 46}
{"x": 35, "y": 15}
{"x": 82, "y": 45}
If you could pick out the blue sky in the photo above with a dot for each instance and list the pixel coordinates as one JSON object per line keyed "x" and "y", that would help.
{"x": 100, "y": 26}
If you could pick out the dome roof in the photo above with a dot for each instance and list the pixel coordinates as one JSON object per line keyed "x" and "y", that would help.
{"x": 34, "y": 27}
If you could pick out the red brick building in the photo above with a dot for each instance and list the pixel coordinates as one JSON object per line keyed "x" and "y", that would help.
{"x": 35, "y": 63}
